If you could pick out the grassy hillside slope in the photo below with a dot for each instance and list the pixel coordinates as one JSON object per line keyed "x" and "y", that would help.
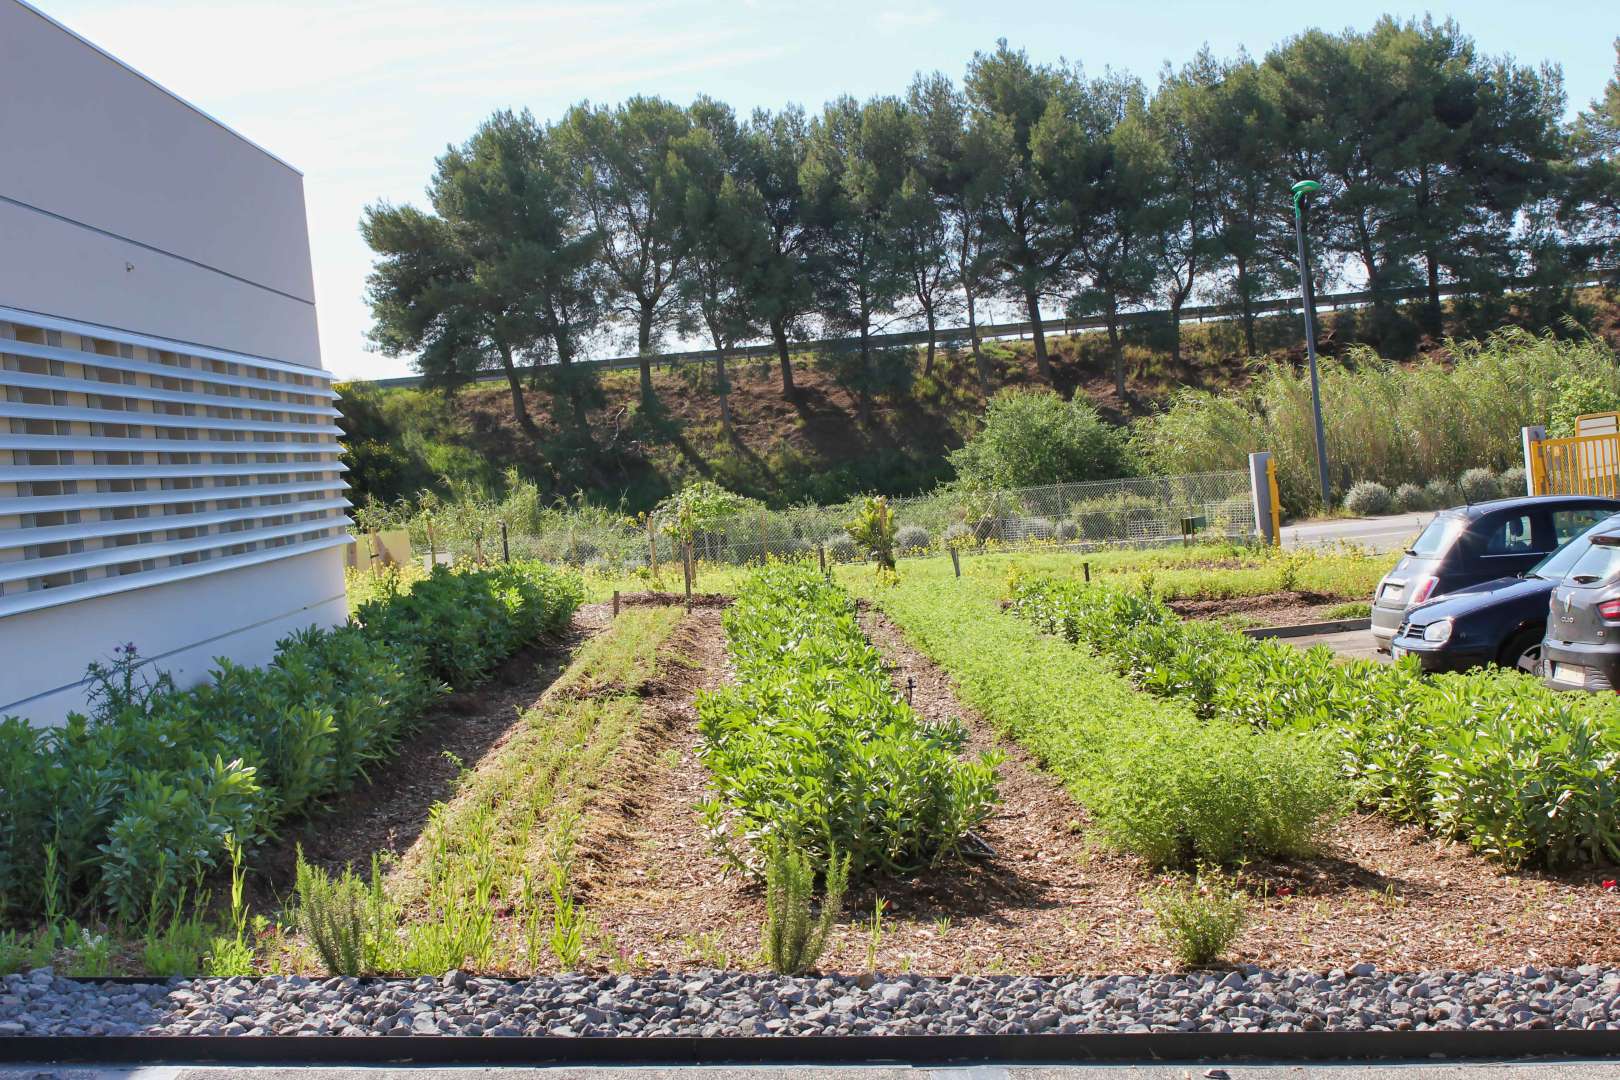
{"x": 811, "y": 448}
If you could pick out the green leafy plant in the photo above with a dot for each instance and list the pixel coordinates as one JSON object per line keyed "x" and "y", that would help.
{"x": 795, "y": 932}
{"x": 812, "y": 746}
{"x": 873, "y": 531}
{"x": 1199, "y": 919}
{"x": 349, "y": 922}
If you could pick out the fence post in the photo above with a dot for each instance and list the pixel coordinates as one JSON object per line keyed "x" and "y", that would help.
{"x": 1260, "y": 495}
{"x": 1535, "y": 477}
{"x": 433, "y": 552}
{"x": 821, "y": 550}
{"x": 686, "y": 561}
{"x": 764, "y": 552}
{"x": 652, "y": 546}
{"x": 506, "y": 549}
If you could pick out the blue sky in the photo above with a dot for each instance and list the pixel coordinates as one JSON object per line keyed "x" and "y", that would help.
{"x": 362, "y": 95}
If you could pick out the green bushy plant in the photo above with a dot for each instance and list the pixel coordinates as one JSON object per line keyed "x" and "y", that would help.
{"x": 1199, "y": 919}
{"x": 795, "y": 935}
{"x": 1368, "y": 498}
{"x": 135, "y": 801}
{"x": 841, "y": 548}
{"x": 1068, "y": 530}
{"x": 1410, "y": 497}
{"x": 1522, "y": 773}
{"x": 1512, "y": 482}
{"x": 1039, "y": 528}
{"x": 348, "y": 921}
{"x": 912, "y": 540}
{"x": 812, "y": 746}
{"x": 1479, "y": 485}
{"x": 1442, "y": 493}
{"x": 1394, "y": 423}
{"x": 1034, "y": 437}
{"x": 958, "y": 535}
{"x": 872, "y": 529}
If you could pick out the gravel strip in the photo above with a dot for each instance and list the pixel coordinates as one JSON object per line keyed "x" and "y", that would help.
{"x": 713, "y": 1003}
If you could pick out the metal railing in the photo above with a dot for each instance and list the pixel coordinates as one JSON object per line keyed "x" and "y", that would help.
{"x": 1580, "y": 465}
{"x": 952, "y": 335}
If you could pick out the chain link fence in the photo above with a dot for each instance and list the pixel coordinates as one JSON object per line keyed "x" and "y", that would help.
{"x": 1104, "y": 513}
{"x": 1137, "y": 511}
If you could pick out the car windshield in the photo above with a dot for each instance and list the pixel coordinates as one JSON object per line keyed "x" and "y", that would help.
{"x": 1556, "y": 565}
{"x": 1600, "y": 563}
{"x": 1433, "y": 541}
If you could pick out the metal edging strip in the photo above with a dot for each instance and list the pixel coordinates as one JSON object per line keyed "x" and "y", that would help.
{"x": 813, "y": 1049}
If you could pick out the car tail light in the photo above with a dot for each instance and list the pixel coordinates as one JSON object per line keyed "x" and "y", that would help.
{"x": 1423, "y": 589}
{"x": 1610, "y": 609}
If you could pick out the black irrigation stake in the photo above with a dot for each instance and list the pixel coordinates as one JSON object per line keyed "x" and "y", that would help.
{"x": 956, "y": 561}
{"x": 506, "y": 551}
{"x": 1086, "y": 567}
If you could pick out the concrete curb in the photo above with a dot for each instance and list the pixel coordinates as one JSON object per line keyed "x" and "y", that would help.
{"x": 1336, "y": 626}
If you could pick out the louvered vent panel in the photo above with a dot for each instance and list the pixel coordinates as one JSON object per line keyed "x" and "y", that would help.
{"x": 128, "y": 461}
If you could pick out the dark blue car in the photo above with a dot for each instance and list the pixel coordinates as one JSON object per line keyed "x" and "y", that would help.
{"x": 1501, "y": 621}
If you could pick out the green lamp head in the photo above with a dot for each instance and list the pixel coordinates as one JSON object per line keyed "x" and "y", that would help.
{"x": 1302, "y": 189}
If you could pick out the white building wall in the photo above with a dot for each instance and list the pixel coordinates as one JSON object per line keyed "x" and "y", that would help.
{"x": 161, "y": 398}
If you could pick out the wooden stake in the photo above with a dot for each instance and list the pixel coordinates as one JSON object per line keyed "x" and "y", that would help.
{"x": 652, "y": 547}
{"x": 1086, "y": 569}
{"x": 956, "y": 562}
{"x": 615, "y": 603}
{"x": 821, "y": 550}
{"x": 690, "y": 573}
{"x": 506, "y": 550}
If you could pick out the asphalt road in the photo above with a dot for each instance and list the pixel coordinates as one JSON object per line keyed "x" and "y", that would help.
{"x": 1521, "y": 1070}
{"x": 1389, "y": 533}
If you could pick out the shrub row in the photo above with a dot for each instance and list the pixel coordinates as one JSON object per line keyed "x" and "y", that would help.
{"x": 811, "y": 745}
{"x": 128, "y": 807}
{"x": 1523, "y": 773}
{"x": 1475, "y": 485}
{"x": 1156, "y": 780}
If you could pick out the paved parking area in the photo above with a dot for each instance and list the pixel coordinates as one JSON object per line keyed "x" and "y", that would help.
{"x": 1389, "y": 533}
{"x": 1350, "y": 644}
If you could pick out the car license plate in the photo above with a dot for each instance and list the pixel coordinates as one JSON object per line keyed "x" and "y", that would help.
{"x": 1396, "y": 651}
{"x": 1392, "y": 591}
{"x": 1569, "y": 674}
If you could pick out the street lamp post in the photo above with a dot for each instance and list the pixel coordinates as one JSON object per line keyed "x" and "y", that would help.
{"x": 1308, "y": 295}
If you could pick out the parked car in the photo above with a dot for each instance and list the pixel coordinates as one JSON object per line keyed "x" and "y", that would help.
{"x": 1501, "y": 621}
{"x": 1582, "y": 647}
{"x": 1468, "y": 545}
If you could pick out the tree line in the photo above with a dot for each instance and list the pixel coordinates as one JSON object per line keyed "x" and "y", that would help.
{"x": 1026, "y": 182}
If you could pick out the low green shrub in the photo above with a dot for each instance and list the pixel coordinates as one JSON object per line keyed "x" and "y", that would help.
{"x": 795, "y": 936}
{"x": 912, "y": 540}
{"x": 460, "y": 625}
{"x": 842, "y": 549}
{"x": 1199, "y": 919}
{"x": 1479, "y": 485}
{"x": 1442, "y": 493}
{"x": 138, "y": 800}
{"x": 1411, "y": 497}
{"x": 348, "y": 921}
{"x": 1512, "y": 482}
{"x": 812, "y": 746}
{"x": 1157, "y": 780}
{"x": 1368, "y": 498}
{"x": 1523, "y": 773}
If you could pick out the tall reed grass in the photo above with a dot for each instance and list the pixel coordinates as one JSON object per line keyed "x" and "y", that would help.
{"x": 1393, "y": 423}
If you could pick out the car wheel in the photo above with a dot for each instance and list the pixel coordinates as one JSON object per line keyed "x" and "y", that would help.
{"x": 1523, "y": 651}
